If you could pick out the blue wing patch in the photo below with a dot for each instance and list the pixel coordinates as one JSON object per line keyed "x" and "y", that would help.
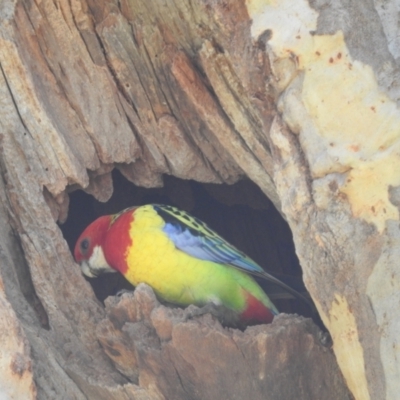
{"x": 194, "y": 237}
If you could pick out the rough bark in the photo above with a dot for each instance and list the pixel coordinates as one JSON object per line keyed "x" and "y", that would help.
{"x": 300, "y": 98}
{"x": 178, "y": 358}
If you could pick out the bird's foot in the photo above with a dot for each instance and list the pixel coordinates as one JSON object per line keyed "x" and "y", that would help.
{"x": 122, "y": 291}
{"x": 224, "y": 315}
{"x": 209, "y": 308}
{"x": 325, "y": 339}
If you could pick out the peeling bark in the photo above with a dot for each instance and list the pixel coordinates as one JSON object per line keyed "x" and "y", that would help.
{"x": 300, "y": 99}
{"x": 171, "y": 356}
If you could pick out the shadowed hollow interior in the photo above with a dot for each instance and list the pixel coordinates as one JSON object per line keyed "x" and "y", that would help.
{"x": 240, "y": 213}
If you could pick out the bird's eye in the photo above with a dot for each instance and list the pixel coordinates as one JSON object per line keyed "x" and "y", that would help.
{"x": 85, "y": 245}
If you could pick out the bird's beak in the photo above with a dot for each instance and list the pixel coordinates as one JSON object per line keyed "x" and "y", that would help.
{"x": 87, "y": 271}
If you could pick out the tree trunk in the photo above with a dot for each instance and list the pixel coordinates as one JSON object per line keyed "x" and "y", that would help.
{"x": 299, "y": 97}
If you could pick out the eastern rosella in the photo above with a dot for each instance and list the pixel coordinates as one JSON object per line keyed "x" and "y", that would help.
{"x": 180, "y": 257}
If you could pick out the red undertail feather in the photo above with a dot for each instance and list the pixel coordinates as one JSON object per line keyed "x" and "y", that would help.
{"x": 256, "y": 312}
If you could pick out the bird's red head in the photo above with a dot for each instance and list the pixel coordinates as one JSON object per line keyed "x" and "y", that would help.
{"x": 89, "y": 249}
{"x": 92, "y": 236}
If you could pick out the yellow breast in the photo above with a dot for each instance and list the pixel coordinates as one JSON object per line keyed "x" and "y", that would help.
{"x": 154, "y": 259}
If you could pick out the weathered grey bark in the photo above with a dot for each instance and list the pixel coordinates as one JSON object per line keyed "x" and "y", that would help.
{"x": 148, "y": 342}
{"x": 301, "y": 98}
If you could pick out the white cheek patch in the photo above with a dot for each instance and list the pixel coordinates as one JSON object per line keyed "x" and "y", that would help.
{"x": 96, "y": 265}
{"x": 97, "y": 259}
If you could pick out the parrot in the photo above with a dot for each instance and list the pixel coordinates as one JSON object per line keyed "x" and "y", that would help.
{"x": 182, "y": 259}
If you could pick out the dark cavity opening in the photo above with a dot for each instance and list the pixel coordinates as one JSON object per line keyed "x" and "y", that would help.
{"x": 240, "y": 213}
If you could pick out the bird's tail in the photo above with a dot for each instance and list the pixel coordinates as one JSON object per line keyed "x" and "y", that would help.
{"x": 287, "y": 288}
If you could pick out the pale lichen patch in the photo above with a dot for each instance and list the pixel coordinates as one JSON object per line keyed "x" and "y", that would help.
{"x": 346, "y": 123}
{"x": 290, "y": 23}
{"x": 349, "y": 353}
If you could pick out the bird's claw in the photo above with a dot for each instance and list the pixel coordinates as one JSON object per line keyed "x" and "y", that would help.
{"x": 224, "y": 315}
{"x": 122, "y": 291}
